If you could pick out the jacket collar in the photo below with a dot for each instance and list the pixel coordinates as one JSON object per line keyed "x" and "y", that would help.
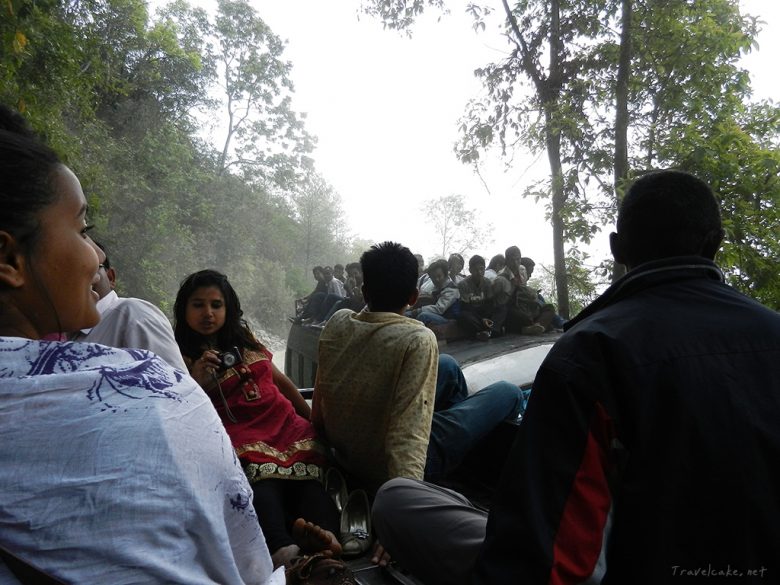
{"x": 649, "y": 274}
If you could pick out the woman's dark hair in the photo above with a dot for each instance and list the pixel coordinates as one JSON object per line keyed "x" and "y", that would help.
{"x": 235, "y": 331}
{"x": 26, "y": 171}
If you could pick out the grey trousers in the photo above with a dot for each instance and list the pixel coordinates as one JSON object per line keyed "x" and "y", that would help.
{"x": 433, "y": 532}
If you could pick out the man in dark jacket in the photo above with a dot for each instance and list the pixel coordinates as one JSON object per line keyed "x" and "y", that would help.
{"x": 649, "y": 450}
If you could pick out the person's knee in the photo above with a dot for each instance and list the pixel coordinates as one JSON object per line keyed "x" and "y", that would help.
{"x": 391, "y": 491}
{"x": 448, "y": 365}
{"x": 389, "y": 500}
{"x": 451, "y": 387}
{"x": 508, "y": 394}
{"x": 429, "y": 318}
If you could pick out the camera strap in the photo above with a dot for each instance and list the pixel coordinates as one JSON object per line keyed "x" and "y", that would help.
{"x": 224, "y": 400}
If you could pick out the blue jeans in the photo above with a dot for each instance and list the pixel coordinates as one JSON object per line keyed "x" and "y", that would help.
{"x": 460, "y": 420}
{"x": 432, "y": 318}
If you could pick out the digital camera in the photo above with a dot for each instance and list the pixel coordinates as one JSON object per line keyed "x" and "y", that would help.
{"x": 229, "y": 358}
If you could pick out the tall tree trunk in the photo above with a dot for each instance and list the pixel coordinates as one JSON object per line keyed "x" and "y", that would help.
{"x": 231, "y": 129}
{"x": 553, "y": 144}
{"x": 621, "y": 115}
{"x": 650, "y": 154}
{"x": 553, "y": 139}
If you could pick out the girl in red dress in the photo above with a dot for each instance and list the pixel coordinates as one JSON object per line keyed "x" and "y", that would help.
{"x": 265, "y": 416}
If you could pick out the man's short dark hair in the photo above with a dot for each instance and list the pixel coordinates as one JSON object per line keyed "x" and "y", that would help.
{"x": 527, "y": 263}
{"x": 440, "y": 264}
{"x": 458, "y": 256}
{"x": 389, "y": 276}
{"x": 512, "y": 250}
{"x": 476, "y": 259}
{"x": 666, "y": 214}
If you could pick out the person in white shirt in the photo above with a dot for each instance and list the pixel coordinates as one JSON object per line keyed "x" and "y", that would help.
{"x": 495, "y": 266}
{"x": 444, "y": 304}
{"x": 129, "y": 322}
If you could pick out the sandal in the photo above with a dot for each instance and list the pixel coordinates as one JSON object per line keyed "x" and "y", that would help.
{"x": 355, "y": 531}
{"x": 318, "y": 569}
{"x": 336, "y": 487}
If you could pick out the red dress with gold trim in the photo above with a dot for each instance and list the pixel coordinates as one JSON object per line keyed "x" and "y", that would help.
{"x": 270, "y": 438}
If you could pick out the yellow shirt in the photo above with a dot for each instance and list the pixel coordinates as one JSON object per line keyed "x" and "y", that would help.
{"x": 374, "y": 393}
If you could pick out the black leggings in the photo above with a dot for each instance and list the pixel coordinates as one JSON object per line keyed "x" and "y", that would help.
{"x": 278, "y": 502}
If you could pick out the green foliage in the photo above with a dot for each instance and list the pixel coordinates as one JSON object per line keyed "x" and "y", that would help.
{"x": 586, "y": 281}
{"x": 539, "y": 97}
{"x": 739, "y": 157}
{"x": 357, "y": 247}
{"x": 265, "y": 138}
{"x": 320, "y": 233}
{"x": 687, "y": 102}
{"x": 399, "y": 14}
{"x": 118, "y": 96}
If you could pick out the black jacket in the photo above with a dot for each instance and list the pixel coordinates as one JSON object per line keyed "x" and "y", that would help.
{"x": 650, "y": 450}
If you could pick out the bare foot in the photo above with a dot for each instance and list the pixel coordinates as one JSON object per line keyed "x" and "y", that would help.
{"x": 284, "y": 554}
{"x": 313, "y": 539}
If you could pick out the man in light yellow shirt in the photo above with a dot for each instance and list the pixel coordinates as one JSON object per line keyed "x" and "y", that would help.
{"x": 376, "y": 377}
{"x": 380, "y": 378}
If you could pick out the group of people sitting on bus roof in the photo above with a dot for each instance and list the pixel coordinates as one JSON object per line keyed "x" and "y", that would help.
{"x": 491, "y": 301}
{"x": 658, "y": 405}
{"x": 333, "y": 291}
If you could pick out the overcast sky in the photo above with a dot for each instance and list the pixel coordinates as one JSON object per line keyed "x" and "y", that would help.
{"x": 385, "y": 110}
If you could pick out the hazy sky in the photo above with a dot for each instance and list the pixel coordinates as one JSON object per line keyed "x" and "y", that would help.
{"x": 385, "y": 110}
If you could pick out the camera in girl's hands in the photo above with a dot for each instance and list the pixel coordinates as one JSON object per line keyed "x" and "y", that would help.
{"x": 229, "y": 358}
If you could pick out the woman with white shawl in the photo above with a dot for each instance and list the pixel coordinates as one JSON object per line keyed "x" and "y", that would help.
{"x": 114, "y": 466}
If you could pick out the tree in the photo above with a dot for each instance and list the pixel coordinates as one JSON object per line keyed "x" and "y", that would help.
{"x": 549, "y": 51}
{"x": 264, "y": 136}
{"x": 585, "y": 280}
{"x": 319, "y": 215}
{"x": 554, "y": 116}
{"x": 117, "y": 94}
{"x": 690, "y": 109}
{"x": 740, "y": 158}
{"x": 458, "y": 227}
{"x": 621, "y": 164}
{"x": 664, "y": 80}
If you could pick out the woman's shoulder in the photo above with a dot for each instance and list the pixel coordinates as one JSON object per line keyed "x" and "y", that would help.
{"x": 99, "y": 370}
{"x": 256, "y": 355}
{"x": 52, "y": 357}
